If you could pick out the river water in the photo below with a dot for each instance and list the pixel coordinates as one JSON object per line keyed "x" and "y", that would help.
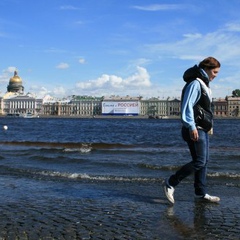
{"x": 110, "y": 149}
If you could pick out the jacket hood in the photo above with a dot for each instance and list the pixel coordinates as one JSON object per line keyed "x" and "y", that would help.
{"x": 195, "y": 72}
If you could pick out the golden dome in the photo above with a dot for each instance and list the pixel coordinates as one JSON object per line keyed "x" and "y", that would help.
{"x": 15, "y": 79}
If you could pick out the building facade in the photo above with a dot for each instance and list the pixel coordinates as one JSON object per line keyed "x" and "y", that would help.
{"x": 220, "y": 107}
{"x": 160, "y": 108}
{"x": 77, "y": 106}
{"x": 16, "y": 102}
{"x": 233, "y": 106}
{"x": 22, "y": 105}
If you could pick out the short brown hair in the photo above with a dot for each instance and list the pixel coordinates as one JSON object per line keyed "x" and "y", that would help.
{"x": 209, "y": 63}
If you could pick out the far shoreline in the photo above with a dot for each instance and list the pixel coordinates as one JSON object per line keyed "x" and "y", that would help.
{"x": 120, "y": 117}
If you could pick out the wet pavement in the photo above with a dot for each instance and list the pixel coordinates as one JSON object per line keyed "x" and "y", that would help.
{"x": 116, "y": 210}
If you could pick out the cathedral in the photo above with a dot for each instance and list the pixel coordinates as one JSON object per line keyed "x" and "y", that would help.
{"x": 16, "y": 103}
{"x": 15, "y": 84}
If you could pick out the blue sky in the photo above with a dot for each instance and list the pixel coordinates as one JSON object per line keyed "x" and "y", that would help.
{"x": 113, "y": 47}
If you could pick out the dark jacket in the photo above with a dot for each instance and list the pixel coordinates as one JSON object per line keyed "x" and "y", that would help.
{"x": 203, "y": 109}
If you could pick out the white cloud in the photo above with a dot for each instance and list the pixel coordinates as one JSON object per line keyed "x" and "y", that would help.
{"x": 193, "y": 47}
{"x": 6, "y": 75}
{"x": 233, "y": 27}
{"x": 193, "y": 35}
{"x": 141, "y": 78}
{"x": 195, "y": 58}
{"x": 159, "y": 7}
{"x": 59, "y": 91}
{"x": 68, "y": 7}
{"x": 220, "y": 44}
{"x": 111, "y": 82}
{"x": 55, "y": 50}
{"x": 39, "y": 91}
{"x": 3, "y": 79}
{"x": 81, "y": 60}
{"x": 9, "y": 70}
{"x": 79, "y": 22}
{"x": 140, "y": 62}
{"x": 62, "y": 65}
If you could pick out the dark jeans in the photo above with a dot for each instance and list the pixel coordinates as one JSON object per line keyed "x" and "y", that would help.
{"x": 200, "y": 154}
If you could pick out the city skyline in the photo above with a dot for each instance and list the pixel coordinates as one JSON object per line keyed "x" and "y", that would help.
{"x": 99, "y": 48}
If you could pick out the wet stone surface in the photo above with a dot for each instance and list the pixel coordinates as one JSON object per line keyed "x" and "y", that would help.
{"x": 118, "y": 211}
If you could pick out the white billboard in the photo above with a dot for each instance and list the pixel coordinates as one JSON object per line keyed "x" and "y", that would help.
{"x": 120, "y": 108}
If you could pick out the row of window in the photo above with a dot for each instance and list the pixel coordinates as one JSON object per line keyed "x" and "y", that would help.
{"x": 83, "y": 107}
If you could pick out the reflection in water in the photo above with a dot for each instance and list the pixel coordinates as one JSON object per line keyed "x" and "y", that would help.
{"x": 199, "y": 223}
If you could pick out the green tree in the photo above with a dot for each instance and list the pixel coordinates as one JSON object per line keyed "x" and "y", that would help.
{"x": 236, "y": 93}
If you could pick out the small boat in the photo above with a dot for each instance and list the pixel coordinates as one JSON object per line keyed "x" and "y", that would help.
{"x": 157, "y": 117}
{"x": 14, "y": 115}
{"x": 29, "y": 115}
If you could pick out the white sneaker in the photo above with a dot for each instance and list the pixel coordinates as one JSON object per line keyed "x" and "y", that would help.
{"x": 209, "y": 198}
{"x": 169, "y": 191}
